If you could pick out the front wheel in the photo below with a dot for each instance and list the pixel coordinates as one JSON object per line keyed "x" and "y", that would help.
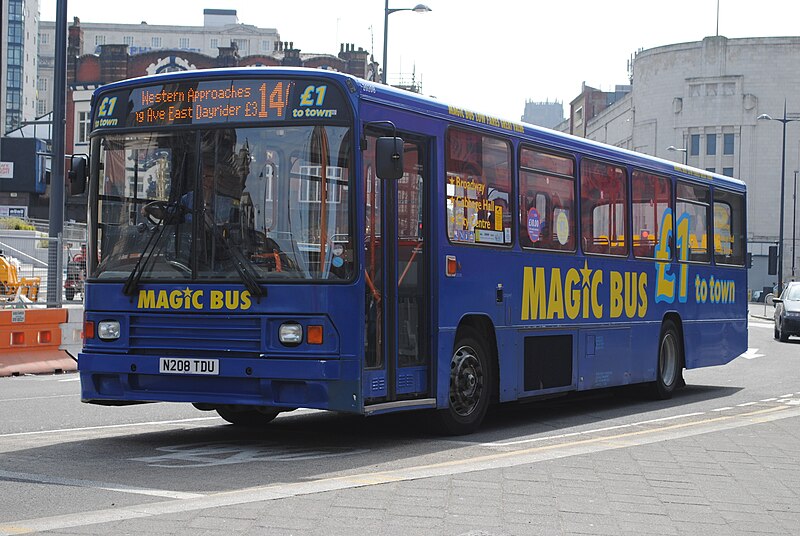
{"x": 670, "y": 362}
{"x": 248, "y": 417}
{"x": 470, "y": 388}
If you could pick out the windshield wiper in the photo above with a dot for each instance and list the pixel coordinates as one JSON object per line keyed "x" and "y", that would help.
{"x": 136, "y": 274}
{"x": 243, "y": 266}
{"x": 161, "y": 213}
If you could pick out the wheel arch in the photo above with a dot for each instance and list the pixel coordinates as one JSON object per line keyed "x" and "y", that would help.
{"x": 678, "y": 323}
{"x": 482, "y": 326}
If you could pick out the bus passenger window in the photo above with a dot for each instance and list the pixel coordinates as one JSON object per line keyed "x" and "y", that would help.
{"x": 547, "y": 201}
{"x": 478, "y": 189}
{"x": 691, "y": 222}
{"x": 603, "y": 208}
{"x": 652, "y": 198}
{"x": 729, "y": 235}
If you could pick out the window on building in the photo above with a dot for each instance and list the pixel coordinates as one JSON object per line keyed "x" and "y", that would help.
{"x": 478, "y": 186}
{"x": 727, "y": 143}
{"x": 41, "y": 107}
{"x": 265, "y": 45}
{"x": 14, "y": 79}
{"x": 603, "y": 208}
{"x": 83, "y": 126}
{"x": 711, "y": 169}
{"x": 547, "y": 201}
{"x": 311, "y": 186}
{"x": 99, "y": 40}
{"x": 651, "y": 199}
{"x": 44, "y": 38}
{"x": 243, "y": 45}
{"x": 694, "y": 144}
{"x": 692, "y": 209}
{"x": 41, "y": 84}
{"x": 155, "y": 42}
{"x": 729, "y": 240}
{"x": 711, "y": 144}
{"x": 214, "y": 42}
{"x": 727, "y": 171}
{"x": 184, "y": 42}
{"x": 15, "y": 55}
{"x": 128, "y": 40}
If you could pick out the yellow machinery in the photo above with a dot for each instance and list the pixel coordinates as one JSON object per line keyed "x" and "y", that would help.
{"x": 11, "y": 285}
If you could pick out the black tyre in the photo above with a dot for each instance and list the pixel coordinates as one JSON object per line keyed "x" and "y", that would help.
{"x": 248, "y": 417}
{"x": 69, "y": 293}
{"x": 782, "y": 335}
{"x": 669, "y": 370}
{"x": 470, "y": 387}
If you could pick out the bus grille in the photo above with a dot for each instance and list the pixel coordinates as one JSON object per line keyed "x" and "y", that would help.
{"x": 197, "y": 334}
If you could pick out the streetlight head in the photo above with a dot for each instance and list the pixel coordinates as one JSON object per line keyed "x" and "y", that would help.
{"x": 421, "y": 8}
{"x": 764, "y": 117}
{"x": 672, "y": 148}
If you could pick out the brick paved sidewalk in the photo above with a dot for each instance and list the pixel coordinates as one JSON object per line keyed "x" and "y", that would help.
{"x": 741, "y": 481}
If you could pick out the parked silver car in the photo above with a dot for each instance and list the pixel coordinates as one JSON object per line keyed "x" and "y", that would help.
{"x": 787, "y": 312}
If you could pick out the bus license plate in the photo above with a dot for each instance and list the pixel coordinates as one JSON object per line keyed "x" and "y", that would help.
{"x": 170, "y": 365}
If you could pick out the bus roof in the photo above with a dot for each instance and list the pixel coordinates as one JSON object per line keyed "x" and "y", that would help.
{"x": 391, "y": 96}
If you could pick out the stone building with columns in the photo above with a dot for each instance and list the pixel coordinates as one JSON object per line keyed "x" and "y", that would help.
{"x": 698, "y": 103}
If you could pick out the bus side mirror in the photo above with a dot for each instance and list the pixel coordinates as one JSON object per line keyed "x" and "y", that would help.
{"x": 78, "y": 173}
{"x": 389, "y": 157}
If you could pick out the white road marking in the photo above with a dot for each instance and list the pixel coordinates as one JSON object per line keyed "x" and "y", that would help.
{"x": 586, "y": 432}
{"x": 37, "y": 398}
{"x": 111, "y": 427}
{"x": 751, "y": 353}
{"x": 44, "y": 479}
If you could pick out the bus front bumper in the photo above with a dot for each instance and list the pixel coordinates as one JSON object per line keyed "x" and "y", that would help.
{"x": 330, "y": 384}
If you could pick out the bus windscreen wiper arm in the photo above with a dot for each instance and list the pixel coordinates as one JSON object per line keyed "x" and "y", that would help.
{"x": 240, "y": 262}
{"x": 136, "y": 274}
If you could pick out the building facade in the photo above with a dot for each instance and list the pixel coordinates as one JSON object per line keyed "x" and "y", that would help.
{"x": 221, "y": 28}
{"x": 20, "y": 22}
{"x": 544, "y": 114}
{"x": 698, "y": 103}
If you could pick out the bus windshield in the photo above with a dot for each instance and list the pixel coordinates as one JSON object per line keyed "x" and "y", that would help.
{"x": 206, "y": 204}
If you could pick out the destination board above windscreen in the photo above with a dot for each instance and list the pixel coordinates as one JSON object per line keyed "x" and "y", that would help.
{"x": 195, "y": 102}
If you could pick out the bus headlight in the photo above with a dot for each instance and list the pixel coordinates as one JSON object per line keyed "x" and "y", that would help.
{"x": 290, "y": 334}
{"x": 108, "y": 330}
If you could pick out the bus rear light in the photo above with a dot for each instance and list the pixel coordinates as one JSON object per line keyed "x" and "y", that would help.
{"x": 88, "y": 330}
{"x": 314, "y": 335}
{"x": 18, "y": 338}
{"x": 451, "y": 266}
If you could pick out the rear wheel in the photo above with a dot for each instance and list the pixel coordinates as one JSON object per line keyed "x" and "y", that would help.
{"x": 670, "y": 362}
{"x": 248, "y": 417}
{"x": 470, "y": 387}
{"x": 69, "y": 293}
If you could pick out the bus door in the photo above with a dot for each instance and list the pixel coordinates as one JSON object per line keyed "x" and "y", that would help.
{"x": 397, "y": 334}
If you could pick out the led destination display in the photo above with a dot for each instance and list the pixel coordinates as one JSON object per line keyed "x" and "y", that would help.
{"x": 195, "y": 102}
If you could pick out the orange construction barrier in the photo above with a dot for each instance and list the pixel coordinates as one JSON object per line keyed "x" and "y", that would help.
{"x": 30, "y": 340}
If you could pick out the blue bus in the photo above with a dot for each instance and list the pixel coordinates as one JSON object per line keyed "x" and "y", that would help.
{"x": 267, "y": 239}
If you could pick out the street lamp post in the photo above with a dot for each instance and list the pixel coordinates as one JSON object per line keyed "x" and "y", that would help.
{"x": 783, "y": 120}
{"x": 419, "y": 8}
{"x": 683, "y": 150}
{"x": 794, "y": 222}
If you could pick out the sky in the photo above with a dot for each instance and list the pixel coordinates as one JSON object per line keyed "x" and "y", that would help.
{"x": 489, "y": 57}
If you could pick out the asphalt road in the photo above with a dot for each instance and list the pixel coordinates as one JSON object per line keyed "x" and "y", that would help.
{"x": 71, "y": 468}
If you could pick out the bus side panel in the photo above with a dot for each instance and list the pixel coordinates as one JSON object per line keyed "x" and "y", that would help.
{"x": 713, "y": 343}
